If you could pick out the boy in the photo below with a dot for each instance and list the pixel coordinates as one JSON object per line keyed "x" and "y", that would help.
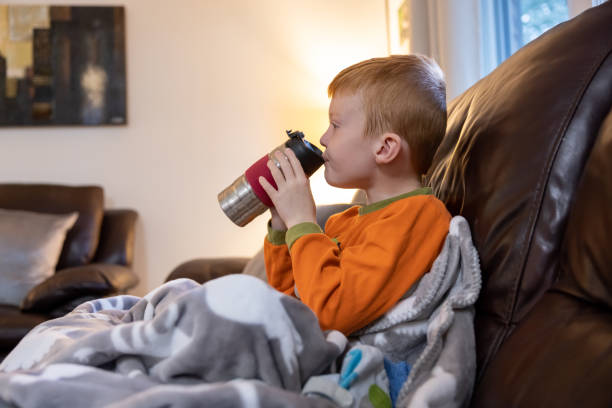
{"x": 387, "y": 118}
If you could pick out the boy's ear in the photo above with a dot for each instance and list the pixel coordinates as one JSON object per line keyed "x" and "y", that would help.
{"x": 388, "y": 146}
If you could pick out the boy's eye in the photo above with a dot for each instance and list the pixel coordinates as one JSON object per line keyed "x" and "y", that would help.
{"x": 335, "y": 126}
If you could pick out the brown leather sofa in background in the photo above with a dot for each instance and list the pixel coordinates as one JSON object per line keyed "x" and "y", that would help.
{"x": 535, "y": 136}
{"x": 95, "y": 260}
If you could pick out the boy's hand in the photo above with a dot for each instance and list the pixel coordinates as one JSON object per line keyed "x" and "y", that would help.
{"x": 293, "y": 199}
{"x": 277, "y": 222}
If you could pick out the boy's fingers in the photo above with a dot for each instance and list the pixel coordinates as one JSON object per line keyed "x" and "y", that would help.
{"x": 268, "y": 188}
{"x": 295, "y": 163}
{"x": 277, "y": 174}
{"x": 285, "y": 165}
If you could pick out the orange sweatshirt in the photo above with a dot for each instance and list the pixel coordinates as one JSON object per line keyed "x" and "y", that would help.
{"x": 365, "y": 262}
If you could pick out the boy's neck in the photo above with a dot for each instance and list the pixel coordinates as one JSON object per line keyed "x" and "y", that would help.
{"x": 391, "y": 188}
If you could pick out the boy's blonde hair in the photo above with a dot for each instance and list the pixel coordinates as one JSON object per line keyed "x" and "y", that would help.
{"x": 403, "y": 94}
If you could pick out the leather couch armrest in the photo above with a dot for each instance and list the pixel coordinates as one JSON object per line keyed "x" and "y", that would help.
{"x": 204, "y": 269}
{"x": 95, "y": 280}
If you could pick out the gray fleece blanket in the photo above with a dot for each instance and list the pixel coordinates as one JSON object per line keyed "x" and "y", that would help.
{"x": 236, "y": 342}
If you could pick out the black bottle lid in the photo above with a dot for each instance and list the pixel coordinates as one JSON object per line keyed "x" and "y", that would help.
{"x": 309, "y": 155}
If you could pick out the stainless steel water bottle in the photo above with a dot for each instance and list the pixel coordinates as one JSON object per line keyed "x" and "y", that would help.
{"x": 245, "y": 199}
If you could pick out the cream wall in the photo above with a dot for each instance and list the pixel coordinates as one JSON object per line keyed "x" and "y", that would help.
{"x": 211, "y": 87}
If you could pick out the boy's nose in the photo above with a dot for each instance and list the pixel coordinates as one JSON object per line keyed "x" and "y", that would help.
{"x": 323, "y": 140}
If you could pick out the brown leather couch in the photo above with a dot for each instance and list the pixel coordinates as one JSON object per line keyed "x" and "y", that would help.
{"x": 534, "y": 138}
{"x": 95, "y": 260}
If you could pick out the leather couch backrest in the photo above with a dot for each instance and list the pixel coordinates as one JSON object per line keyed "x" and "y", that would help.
{"x": 82, "y": 239}
{"x": 526, "y": 131}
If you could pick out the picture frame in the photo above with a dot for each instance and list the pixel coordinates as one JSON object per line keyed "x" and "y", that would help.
{"x": 62, "y": 65}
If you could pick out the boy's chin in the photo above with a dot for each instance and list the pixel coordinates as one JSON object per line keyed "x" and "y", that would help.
{"x": 337, "y": 183}
{"x": 330, "y": 180}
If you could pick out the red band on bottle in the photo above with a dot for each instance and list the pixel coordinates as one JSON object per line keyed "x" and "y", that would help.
{"x": 252, "y": 174}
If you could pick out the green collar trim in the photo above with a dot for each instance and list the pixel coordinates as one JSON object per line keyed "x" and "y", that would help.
{"x": 383, "y": 203}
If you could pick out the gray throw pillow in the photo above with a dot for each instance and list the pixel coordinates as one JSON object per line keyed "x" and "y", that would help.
{"x": 30, "y": 246}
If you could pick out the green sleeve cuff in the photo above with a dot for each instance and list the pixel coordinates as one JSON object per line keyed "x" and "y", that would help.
{"x": 299, "y": 230}
{"x": 276, "y": 237}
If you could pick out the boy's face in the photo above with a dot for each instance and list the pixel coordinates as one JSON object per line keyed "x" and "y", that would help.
{"x": 349, "y": 158}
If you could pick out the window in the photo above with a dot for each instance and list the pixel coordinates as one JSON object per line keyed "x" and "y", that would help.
{"x": 507, "y": 25}
{"x": 538, "y": 16}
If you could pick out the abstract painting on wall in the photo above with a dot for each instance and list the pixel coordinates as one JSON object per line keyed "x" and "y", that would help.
{"x": 62, "y": 65}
